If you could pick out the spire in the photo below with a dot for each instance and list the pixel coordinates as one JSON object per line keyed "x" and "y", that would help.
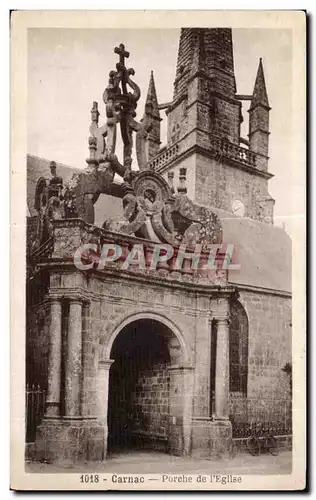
{"x": 207, "y": 53}
{"x": 260, "y": 95}
{"x": 152, "y": 119}
{"x": 259, "y": 121}
{"x": 151, "y": 105}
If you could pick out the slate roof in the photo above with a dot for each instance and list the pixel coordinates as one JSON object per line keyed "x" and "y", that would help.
{"x": 263, "y": 251}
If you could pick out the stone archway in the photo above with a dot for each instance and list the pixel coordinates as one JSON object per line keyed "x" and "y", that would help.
{"x": 185, "y": 352}
{"x": 150, "y": 386}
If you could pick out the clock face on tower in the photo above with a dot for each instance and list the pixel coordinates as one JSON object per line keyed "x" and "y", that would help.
{"x": 238, "y": 208}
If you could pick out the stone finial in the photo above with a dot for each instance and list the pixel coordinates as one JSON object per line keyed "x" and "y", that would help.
{"x": 259, "y": 95}
{"x": 95, "y": 113}
{"x": 170, "y": 181}
{"x": 151, "y": 105}
{"x": 182, "y": 188}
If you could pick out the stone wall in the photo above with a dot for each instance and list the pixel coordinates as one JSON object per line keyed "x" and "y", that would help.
{"x": 178, "y": 125}
{"x": 218, "y": 185}
{"x": 267, "y": 402}
{"x": 216, "y": 116}
{"x": 150, "y": 400}
{"x": 270, "y": 344}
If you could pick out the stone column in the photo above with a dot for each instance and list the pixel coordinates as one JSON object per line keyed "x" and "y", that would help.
{"x": 201, "y": 409}
{"x": 54, "y": 360}
{"x": 222, "y": 369}
{"x": 180, "y": 403}
{"x": 188, "y": 384}
{"x": 102, "y": 390}
{"x": 73, "y": 359}
{"x": 87, "y": 360}
{"x": 220, "y": 443}
{"x": 202, "y": 359}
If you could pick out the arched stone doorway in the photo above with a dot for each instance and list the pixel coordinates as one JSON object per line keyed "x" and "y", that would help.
{"x": 149, "y": 406}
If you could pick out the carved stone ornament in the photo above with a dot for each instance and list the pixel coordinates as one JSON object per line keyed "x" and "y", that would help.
{"x": 84, "y": 188}
{"x": 151, "y": 211}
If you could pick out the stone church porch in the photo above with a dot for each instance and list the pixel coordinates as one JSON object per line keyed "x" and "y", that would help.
{"x": 180, "y": 359}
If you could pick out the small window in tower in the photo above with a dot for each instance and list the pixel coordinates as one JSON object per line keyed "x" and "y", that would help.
{"x": 222, "y": 63}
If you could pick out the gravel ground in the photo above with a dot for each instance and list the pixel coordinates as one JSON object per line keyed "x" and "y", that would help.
{"x": 154, "y": 462}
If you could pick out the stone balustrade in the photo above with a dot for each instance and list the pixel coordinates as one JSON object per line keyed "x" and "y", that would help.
{"x": 164, "y": 157}
{"x": 219, "y": 146}
{"x": 229, "y": 150}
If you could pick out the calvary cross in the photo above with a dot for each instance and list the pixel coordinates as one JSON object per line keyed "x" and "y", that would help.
{"x": 120, "y": 50}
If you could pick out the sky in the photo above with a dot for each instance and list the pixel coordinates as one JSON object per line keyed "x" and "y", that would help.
{"x": 68, "y": 70}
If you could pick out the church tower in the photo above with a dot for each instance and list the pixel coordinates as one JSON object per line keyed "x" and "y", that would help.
{"x": 223, "y": 169}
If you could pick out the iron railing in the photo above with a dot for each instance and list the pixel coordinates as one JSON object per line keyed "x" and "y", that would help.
{"x": 249, "y": 414}
{"x": 34, "y": 410}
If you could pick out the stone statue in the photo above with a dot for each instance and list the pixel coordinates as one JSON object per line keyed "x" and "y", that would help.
{"x": 48, "y": 204}
{"x": 55, "y": 184}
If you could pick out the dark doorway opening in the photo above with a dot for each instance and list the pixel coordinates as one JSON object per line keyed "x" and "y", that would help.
{"x": 138, "y": 411}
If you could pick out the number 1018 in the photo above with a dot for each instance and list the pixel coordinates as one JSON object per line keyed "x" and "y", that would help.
{"x": 89, "y": 478}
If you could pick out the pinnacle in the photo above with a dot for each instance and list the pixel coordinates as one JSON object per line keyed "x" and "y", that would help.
{"x": 260, "y": 95}
{"x": 151, "y": 106}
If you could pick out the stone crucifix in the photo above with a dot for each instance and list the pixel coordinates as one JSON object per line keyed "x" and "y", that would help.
{"x": 120, "y": 50}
